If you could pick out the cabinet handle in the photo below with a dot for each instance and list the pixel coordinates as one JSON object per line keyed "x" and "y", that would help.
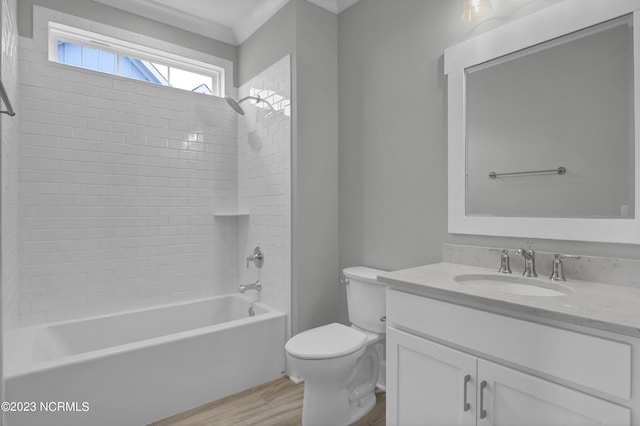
{"x": 466, "y": 406}
{"x": 483, "y": 412}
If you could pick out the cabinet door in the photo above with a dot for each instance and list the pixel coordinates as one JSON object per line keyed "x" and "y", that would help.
{"x": 426, "y": 383}
{"x": 512, "y": 398}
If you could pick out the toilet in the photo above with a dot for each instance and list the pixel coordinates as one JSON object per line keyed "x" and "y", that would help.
{"x": 340, "y": 364}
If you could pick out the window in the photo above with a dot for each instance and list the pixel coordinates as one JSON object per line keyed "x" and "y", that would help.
{"x": 84, "y": 49}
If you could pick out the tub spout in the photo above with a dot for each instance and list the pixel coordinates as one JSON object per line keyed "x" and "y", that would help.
{"x": 255, "y": 286}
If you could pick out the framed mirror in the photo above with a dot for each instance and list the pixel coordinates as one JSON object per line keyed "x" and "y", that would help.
{"x": 542, "y": 120}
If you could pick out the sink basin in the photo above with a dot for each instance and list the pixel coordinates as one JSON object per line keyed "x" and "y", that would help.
{"x": 521, "y": 286}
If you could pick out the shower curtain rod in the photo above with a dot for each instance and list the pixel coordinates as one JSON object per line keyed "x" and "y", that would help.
{"x": 7, "y": 102}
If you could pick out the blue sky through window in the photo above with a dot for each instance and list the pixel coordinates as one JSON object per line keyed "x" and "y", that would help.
{"x": 125, "y": 66}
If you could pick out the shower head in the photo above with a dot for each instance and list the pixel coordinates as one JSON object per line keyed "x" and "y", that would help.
{"x": 236, "y": 104}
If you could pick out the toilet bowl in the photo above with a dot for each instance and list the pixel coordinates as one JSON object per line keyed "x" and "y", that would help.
{"x": 340, "y": 364}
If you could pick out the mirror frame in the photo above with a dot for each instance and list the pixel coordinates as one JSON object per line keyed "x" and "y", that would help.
{"x": 547, "y": 24}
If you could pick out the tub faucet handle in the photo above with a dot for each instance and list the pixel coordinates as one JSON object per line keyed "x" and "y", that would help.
{"x": 257, "y": 258}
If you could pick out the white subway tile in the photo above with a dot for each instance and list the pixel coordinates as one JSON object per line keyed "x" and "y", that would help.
{"x": 74, "y": 166}
{"x": 42, "y": 117}
{"x": 100, "y": 103}
{"x": 55, "y": 130}
{"x": 100, "y": 81}
{"x": 119, "y": 180}
{"x": 132, "y": 139}
{"x": 39, "y": 163}
{"x": 108, "y": 136}
{"x": 84, "y": 111}
{"x": 112, "y": 116}
{"x": 93, "y": 145}
{"x": 98, "y": 124}
{"x": 74, "y": 144}
{"x": 123, "y": 127}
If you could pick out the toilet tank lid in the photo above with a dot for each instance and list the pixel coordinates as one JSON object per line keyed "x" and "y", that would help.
{"x": 363, "y": 273}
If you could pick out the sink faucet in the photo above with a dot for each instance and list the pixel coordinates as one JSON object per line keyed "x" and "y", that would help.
{"x": 529, "y": 260}
{"x": 255, "y": 286}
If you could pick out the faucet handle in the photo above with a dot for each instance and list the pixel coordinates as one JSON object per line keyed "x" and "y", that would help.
{"x": 565, "y": 256}
{"x": 257, "y": 258}
{"x": 505, "y": 268}
{"x": 529, "y": 244}
{"x": 557, "y": 270}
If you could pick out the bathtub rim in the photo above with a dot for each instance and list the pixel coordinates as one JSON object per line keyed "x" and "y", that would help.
{"x": 23, "y": 338}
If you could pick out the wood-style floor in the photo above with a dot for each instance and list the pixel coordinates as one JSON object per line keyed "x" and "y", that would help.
{"x": 277, "y": 403}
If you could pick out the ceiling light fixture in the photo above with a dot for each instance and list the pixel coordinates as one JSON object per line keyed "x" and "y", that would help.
{"x": 475, "y": 10}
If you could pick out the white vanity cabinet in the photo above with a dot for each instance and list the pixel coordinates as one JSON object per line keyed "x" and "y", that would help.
{"x": 426, "y": 382}
{"x": 453, "y": 365}
{"x": 515, "y": 398}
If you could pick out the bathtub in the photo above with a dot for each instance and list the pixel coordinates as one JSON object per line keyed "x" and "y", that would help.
{"x": 136, "y": 367}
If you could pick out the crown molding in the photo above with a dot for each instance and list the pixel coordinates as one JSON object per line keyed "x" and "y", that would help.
{"x": 335, "y": 6}
{"x": 234, "y": 35}
{"x": 257, "y": 18}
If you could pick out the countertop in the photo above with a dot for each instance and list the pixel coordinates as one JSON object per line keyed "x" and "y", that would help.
{"x": 602, "y": 306}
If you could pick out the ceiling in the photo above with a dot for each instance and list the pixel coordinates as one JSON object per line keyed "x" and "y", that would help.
{"x": 230, "y": 21}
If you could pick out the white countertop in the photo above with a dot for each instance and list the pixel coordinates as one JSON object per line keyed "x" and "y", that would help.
{"x": 602, "y": 306}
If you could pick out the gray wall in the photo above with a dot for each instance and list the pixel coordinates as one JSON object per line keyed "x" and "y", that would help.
{"x": 392, "y": 131}
{"x": 393, "y": 139}
{"x": 118, "y": 18}
{"x": 318, "y": 298}
{"x": 309, "y": 33}
{"x": 275, "y": 39}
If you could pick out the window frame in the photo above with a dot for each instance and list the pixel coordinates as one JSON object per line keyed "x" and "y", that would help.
{"x": 65, "y": 33}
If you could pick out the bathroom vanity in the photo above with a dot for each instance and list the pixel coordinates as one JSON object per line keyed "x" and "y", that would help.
{"x": 469, "y": 346}
{"x": 459, "y": 354}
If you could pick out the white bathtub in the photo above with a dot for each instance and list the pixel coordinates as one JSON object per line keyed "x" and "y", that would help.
{"x": 137, "y": 367}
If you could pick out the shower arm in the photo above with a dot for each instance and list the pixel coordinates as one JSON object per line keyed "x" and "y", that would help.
{"x": 257, "y": 99}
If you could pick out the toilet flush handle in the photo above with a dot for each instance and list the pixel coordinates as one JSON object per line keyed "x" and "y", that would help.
{"x": 383, "y": 319}
{"x": 342, "y": 280}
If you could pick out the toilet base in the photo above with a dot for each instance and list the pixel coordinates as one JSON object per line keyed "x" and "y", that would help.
{"x": 366, "y": 405}
{"x": 322, "y": 410}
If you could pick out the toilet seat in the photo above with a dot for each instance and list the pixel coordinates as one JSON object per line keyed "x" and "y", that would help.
{"x": 326, "y": 342}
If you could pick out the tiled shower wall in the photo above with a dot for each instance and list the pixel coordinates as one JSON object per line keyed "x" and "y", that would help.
{"x": 119, "y": 180}
{"x": 9, "y": 179}
{"x": 9, "y": 167}
{"x": 264, "y": 182}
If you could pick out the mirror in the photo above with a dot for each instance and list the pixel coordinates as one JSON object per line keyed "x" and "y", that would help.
{"x": 567, "y": 103}
{"x": 542, "y": 120}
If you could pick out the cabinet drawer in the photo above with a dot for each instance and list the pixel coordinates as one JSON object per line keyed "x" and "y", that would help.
{"x": 590, "y": 361}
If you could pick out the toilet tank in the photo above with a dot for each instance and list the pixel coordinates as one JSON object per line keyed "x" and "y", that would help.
{"x": 366, "y": 298}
